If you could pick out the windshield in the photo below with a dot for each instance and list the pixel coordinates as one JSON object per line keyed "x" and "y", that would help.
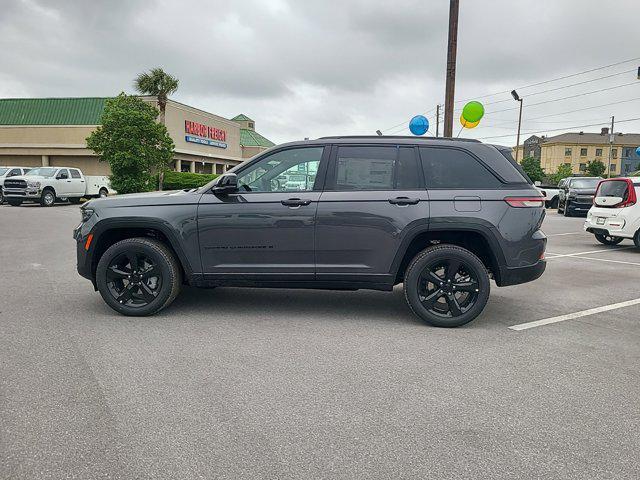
{"x": 3, "y": 171}
{"x": 585, "y": 183}
{"x": 43, "y": 172}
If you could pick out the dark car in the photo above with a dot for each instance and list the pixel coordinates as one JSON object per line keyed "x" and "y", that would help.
{"x": 441, "y": 216}
{"x": 576, "y": 195}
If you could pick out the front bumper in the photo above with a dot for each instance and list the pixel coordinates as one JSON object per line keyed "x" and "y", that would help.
{"x": 22, "y": 194}
{"x": 84, "y": 255}
{"x": 582, "y": 208}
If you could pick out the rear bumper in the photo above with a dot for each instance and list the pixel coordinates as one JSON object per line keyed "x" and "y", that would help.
{"x": 517, "y": 275}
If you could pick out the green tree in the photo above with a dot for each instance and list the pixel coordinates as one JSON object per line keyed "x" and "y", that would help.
{"x": 532, "y": 168}
{"x": 564, "y": 171}
{"x": 160, "y": 84}
{"x": 596, "y": 168}
{"x": 134, "y": 144}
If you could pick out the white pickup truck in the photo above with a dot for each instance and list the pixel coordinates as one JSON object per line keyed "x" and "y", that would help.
{"x": 45, "y": 185}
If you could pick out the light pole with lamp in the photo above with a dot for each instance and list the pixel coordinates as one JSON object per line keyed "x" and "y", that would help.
{"x": 517, "y": 98}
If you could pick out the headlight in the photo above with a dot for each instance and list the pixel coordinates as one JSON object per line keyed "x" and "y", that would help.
{"x": 33, "y": 184}
{"x": 86, "y": 213}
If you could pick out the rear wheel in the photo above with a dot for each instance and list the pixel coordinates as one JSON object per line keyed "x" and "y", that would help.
{"x": 48, "y": 198}
{"x": 608, "y": 239}
{"x": 446, "y": 286}
{"x": 553, "y": 203}
{"x": 14, "y": 202}
{"x": 636, "y": 239}
{"x": 138, "y": 276}
{"x": 103, "y": 193}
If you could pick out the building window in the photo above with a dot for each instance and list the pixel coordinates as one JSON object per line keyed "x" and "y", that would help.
{"x": 613, "y": 167}
{"x": 583, "y": 152}
{"x": 614, "y": 153}
{"x": 627, "y": 152}
{"x": 583, "y": 167}
{"x": 567, "y": 152}
{"x": 251, "y": 125}
{"x": 598, "y": 152}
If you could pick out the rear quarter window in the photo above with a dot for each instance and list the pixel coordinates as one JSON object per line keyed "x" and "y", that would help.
{"x": 452, "y": 168}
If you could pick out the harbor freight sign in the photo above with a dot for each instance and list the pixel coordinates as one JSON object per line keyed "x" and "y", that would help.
{"x": 204, "y": 134}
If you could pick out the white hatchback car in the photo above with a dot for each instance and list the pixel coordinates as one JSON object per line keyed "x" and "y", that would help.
{"x": 615, "y": 214}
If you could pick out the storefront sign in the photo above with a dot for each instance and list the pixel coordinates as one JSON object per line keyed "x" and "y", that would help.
{"x": 204, "y": 134}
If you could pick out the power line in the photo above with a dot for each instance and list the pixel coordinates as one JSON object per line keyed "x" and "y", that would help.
{"x": 566, "y": 98}
{"x": 553, "y": 79}
{"x": 563, "y": 128}
{"x": 564, "y": 86}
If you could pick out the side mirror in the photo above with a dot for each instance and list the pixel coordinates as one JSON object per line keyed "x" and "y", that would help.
{"x": 228, "y": 183}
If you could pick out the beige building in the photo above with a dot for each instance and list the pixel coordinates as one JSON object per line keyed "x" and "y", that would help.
{"x": 580, "y": 148}
{"x": 52, "y": 131}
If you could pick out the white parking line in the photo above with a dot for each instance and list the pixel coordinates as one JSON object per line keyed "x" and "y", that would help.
{"x": 561, "y": 234}
{"x": 571, "y": 316}
{"x": 558, "y": 255}
{"x": 607, "y": 260}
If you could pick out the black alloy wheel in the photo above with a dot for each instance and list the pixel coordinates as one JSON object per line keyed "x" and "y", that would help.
{"x": 608, "y": 239}
{"x": 138, "y": 276}
{"x": 133, "y": 279}
{"x": 447, "y": 286}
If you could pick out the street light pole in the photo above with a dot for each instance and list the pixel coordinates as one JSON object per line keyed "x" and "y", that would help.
{"x": 517, "y": 98}
{"x": 451, "y": 68}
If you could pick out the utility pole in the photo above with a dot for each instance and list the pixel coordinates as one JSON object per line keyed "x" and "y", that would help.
{"x": 611, "y": 139}
{"x": 437, "y": 120}
{"x": 450, "y": 86}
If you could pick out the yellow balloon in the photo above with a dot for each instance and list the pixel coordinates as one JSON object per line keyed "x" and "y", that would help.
{"x": 467, "y": 124}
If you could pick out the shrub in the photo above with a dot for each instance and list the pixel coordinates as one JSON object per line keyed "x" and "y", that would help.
{"x": 185, "y": 180}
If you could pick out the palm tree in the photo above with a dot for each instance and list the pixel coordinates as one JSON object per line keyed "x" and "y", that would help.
{"x": 160, "y": 84}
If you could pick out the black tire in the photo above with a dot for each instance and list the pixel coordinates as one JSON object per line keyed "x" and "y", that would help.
{"x": 553, "y": 203}
{"x": 608, "y": 239}
{"x": 155, "y": 285}
{"x": 461, "y": 304}
{"x": 565, "y": 210}
{"x": 103, "y": 193}
{"x": 1, "y": 196}
{"x": 48, "y": 198}
{"x": 636, "y": 239}
{"x": 14, "y": 202}
{"x": 75, "y": 200}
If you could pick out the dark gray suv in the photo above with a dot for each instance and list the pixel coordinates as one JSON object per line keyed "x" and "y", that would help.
{"x": 441, "y": 216}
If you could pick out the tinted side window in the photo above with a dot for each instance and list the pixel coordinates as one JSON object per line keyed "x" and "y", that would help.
{"x": 13, "y": 173}
{"x": 74, "y": 173}
{"x": 452, "y": 168}
{"x": 407, "y": 174}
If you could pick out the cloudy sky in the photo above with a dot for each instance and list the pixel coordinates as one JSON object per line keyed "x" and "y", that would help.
{"x": 306, "y": 68}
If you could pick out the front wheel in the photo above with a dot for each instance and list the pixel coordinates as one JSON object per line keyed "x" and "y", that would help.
{"x": 553, "y": 204}
{"x": 608, "y": 239}
{"x": 1, "y": 197}
{"x": 565, "y": 210}
{"x": 138, "y": 276}
{"x": 446, "y": 286}
{"x": 48, "y": 198}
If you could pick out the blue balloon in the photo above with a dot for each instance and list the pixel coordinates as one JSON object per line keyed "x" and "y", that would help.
{"x": 419, "y": 125}
{"x": 638, "y": 151}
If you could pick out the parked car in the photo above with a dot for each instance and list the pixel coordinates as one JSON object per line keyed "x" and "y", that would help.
{"x": 8, "y": 172}
{"x": 576, "y": 195}
{"x": 45, "y": 185}
{"x": 615, "y": 214}
{"x": 550, "y": 194}
{"x": 441, "y": 216}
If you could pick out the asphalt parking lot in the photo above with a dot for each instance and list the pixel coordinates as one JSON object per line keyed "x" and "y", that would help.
{"x": 250, "y": 383}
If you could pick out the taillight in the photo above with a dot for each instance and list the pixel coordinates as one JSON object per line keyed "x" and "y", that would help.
{"x": 525, "y": 202}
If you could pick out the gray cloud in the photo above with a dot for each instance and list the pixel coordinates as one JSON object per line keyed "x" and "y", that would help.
{"x": 310, "y": 68}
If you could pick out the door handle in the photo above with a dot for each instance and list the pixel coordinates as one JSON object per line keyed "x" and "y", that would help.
{"x": 403, "y": 201}
{"x": 295, "y": 202}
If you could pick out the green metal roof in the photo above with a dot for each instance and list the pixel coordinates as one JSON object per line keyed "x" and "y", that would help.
{"x": 241, "y": 118}
{"x": 250, "y": 138}
{"x": 51, "y": 111}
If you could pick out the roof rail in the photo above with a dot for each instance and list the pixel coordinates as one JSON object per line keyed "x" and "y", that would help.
{"x": 400, "y": 137}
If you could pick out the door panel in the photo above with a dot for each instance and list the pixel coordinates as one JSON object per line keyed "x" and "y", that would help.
{"x": 374, "y": 196}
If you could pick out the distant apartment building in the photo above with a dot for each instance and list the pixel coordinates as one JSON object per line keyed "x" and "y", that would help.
{"x": 579, "y": 148}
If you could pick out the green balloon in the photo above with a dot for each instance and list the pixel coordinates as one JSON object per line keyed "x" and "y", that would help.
{"x": 473, "y": 112}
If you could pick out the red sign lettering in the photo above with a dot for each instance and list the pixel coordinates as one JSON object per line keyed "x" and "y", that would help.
{"x": 195, "y": 128}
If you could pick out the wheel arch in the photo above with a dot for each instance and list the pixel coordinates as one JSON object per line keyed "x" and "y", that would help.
{"x": 476, "y": 238}
{"x": 109, "y": 232}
